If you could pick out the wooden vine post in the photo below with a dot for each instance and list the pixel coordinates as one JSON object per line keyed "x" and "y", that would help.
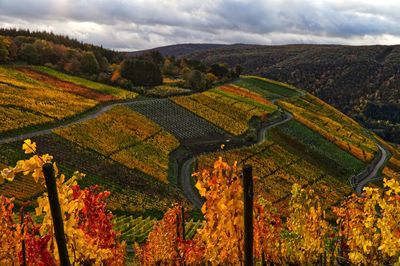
{"x": 248, "y": 214}
{"x": 180, "y": 224}
{"x": 56, "y": 214}
{"x": 23, "y": 240}
{"x": 183, "y": 222}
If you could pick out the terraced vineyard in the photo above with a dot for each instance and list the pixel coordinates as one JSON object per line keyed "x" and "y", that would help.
{"x": 286, "y": 159}
{"x": 132, "y": 191}
{"x": 137, "y": 229}
{"x": 177, "y": 120}
{"x": 332, "y": 124}
{"x": 166, "y": 90}
{"x": 126, "y": 137}
{"x": 392, "y": 168}
{"x": 327, "y": 153}
{"x": 229, "y": 107}
{"x": 118, "y": 93}
{"x": 133, "y": 229}
{"x": 49, "y": 99}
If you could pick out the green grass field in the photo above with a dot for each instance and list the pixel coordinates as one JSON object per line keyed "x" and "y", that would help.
{"x": 269, "y": 90}
{"x": 341, "y": 163}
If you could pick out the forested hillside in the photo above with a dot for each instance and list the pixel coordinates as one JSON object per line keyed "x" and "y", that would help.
{"x": 362, "y": 81}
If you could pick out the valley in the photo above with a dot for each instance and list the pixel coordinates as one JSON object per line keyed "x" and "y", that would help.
{"x": 195, "y": 133}
{"x": 144, "y": 151}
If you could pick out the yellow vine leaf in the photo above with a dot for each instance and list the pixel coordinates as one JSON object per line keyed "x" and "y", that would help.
{"x": 29, "y": 146}
{"x": 7, "y": 174}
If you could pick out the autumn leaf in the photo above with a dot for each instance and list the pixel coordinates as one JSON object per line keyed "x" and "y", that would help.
{"x": 29, "y": 146}
{"x": 7, "y": 174}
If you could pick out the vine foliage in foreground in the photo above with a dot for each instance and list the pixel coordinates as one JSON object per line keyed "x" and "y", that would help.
{"x": 87, "y": 223}
{"x": 367, "y": 229}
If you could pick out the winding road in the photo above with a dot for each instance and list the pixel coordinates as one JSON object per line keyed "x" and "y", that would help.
{"x": 185, "y": 174}
{"x": 375, "y": 169}
{"x": 366, "y": 176}
{"x": 185, "y": 177}
{"x": 186, "y": 171}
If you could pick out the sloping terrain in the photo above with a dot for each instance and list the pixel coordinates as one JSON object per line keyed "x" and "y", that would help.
{"x": 127, "y": 148}
{"x": 177, "y": 120}
{"x": 29, "y": 98}
{"x": 229, "y": 107}
{"x": 126, "y": 137}
{"x": 361, "y": 81}
{"x": 132, "y": 191}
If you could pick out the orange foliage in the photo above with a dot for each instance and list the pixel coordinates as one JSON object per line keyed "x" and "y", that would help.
{"x": 245, "y": 93}
{"x": 116, "y": 75}
{"x": 162, "y": 242}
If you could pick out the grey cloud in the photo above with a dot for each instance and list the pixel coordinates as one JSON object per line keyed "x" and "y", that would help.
{"x": 139, "y": 24}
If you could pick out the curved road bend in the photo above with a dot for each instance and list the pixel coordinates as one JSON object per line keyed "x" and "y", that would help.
{"x": 185, "y": 177}
{"x": 186, "y": 173}
{"x": 373, "y": 173}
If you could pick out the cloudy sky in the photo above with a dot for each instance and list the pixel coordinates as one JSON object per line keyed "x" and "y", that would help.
{"x": 142, "y": 24}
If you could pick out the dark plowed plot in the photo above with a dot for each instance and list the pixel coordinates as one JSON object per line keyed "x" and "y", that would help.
{"x": 177, "y": 120}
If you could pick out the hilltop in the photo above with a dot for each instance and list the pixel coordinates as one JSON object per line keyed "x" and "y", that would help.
{"x": 361, "y": 81}
{"x": 180, "y": 50}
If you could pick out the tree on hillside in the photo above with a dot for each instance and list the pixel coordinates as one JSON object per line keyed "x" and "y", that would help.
{"x": 12, "y": 48}
{"x": 157, "y": 57}
{"x": 73, "y": 66}
{"x": 89, "y": 63}
{"x": 196, "y": 80}
{"x": 103, "y": 63}
{"x": 238, "y": 70}
{"x": 28, "y": 53}
{"x": 219, "y": 70}
{"x": 198, "y": 65}
{"x": 141, "y": 72}
{"x": 169, "y": 68}
{"x": 211, "y": 78}
{"x": 3, "y": 52}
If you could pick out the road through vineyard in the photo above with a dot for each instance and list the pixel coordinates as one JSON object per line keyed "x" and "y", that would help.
{"x": 185, "y": 167}
{"x": 185, "y": 174}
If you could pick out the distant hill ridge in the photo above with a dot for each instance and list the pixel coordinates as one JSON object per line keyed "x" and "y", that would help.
{"x": 362, "y": 81}
{"x": 179, "y": 50}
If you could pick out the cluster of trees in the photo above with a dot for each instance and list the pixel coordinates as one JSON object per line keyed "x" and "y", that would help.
{"x": 31, "y": 50}
{"x": 67, "y": 41}
{"x": 99, "y": 64}
{"x": 148, "y": 70}
{"x": 383, "y": 117}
